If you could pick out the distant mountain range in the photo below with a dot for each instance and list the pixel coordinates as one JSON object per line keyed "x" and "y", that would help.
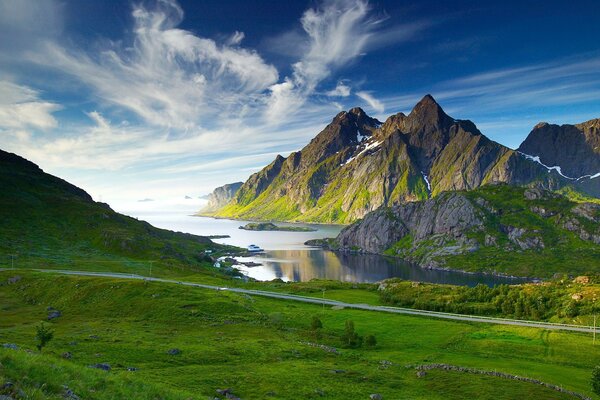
{"x": 220, "y": 197}
{"x": 358, "y": 164}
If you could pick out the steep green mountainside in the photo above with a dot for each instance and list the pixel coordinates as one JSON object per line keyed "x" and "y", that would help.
{"x": 357, "y": 164}
{"x": 261, "y": 348}
{"x": 45, "y": 222}
{"x": 496, "y": 228}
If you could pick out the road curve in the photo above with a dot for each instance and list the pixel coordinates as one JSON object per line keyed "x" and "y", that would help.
{"x": 313, "y": 300}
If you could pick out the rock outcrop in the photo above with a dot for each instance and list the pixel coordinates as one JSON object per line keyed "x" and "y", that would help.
{"x": 503, "y": 218}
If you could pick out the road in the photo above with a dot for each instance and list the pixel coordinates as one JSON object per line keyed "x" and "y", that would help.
{"x": 319, "y": 301}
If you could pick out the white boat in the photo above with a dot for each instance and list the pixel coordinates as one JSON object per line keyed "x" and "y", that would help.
{"x": 254, "y": 249}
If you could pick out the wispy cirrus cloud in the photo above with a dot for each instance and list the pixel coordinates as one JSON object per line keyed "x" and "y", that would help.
{"x": 340, "y": 90}
{"x": 22, "y": 108}
{"x": 337, "y": 33}
{"x": 168, "y": 76}
{"x": 375, "y": 104}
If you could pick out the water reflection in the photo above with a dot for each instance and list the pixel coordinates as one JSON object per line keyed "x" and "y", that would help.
{"x": 304, "y": 265}
{"x": 289, "y": 259}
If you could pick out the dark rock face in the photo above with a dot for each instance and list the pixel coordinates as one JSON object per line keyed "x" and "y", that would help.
{"x": 357, "y": 164}
{"x": 575, "y": 148}
{"x": 221, "y": 196}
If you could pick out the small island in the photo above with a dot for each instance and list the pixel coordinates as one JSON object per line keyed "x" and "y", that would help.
{"x": 268, "y": 226}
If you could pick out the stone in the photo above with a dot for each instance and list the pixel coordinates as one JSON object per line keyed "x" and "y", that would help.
{"x": 4, "y": 397}
{"x": 421, "y": 374}
{"x": 132, "y": 369}
{"x": 224, "y": 392}
{"x": 102, "y": 366}
{"x": 67, "y": 355}
{"x": 173, "y": 352}
{"x": 54, "y": 314}
{"x": 375, "y": 396}
{"x": 69, "y": 394}
{"x": 11, "y": 346}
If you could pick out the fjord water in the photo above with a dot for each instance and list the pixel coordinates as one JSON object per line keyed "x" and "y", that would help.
{"x": 287, "y": 258}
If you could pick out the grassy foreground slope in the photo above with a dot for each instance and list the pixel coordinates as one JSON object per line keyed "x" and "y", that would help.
{"x": 46, "y": 222}
{"x": 261, "y": 348}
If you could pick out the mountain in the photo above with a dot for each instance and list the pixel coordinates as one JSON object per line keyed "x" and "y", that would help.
{"x": 497, "y": 228}
{"x": 572, "y": 150}
{"x": 220, "y": 197}
{"x": 357, "y": 164}
{"x": 46, "y": 221}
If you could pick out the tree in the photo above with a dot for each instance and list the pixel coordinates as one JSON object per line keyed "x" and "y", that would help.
{"x": 350, "y": 338}
{"x": 43, "y": 336}
{"x": 316, "y": 323}
{"x": 596, "y": 379}
{"x": 370, "y": 341}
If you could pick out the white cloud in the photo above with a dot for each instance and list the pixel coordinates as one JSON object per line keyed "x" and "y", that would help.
{"x": 168, "y": 76}
{"x": 236, "y": 38}
{"x": 341, "y": 90}
{"x": 372, "y": 101}
{"x": 21, "y": 108}
{"x": 338, "y": 32}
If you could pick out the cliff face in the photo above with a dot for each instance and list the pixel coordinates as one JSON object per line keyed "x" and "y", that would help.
{"x": 574, "y": 148}
{"x": 571, "y": 150}
{"x": 357, "y": 164}
{"x": 490, "y": 226}
{"x": 220, "y": 197}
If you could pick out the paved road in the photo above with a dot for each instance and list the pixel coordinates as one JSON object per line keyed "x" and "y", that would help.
{"x": 284, "y": 296}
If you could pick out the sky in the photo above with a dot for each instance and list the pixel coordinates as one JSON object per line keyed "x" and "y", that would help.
{"x": 148, "y": 105}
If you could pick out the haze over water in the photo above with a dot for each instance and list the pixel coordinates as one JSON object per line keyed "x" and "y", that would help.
{"x": 287, "y": 258}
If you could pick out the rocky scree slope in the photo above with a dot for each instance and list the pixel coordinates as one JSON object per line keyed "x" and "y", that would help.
{"x": 357, "y": 164}
{"x": 486, "y": 229}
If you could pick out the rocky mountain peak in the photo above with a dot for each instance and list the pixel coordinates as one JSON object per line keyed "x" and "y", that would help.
{"x": 427, "y": 113}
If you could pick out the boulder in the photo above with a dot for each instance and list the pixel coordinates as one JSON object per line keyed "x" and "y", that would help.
{"x": 102, "y": 366}
{"x": 53, "y": 314}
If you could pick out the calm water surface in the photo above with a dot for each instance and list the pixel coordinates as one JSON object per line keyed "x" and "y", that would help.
{"x": 287, "y": 258}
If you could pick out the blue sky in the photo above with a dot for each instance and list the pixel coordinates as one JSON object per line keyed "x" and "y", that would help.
{"x": 166, "y": 99}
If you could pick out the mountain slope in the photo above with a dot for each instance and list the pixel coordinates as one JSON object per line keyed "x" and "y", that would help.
{"x": 572, "y": 150}
{"x": 46, "y": 221}
{"x": 219, "y": 197}
{"x": 357, "y": 164}
{"x": 498, "y": 228}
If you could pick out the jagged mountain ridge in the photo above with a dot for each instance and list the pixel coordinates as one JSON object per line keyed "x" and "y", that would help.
{"x": 357, "y": 164}
{"x": 571, "y": 150}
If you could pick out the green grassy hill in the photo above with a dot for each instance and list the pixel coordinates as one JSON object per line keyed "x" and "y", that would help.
{"x": 261, "y": 348}
{"x": 46, "y": 222}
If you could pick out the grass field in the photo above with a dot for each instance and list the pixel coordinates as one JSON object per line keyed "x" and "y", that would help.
{"x": 257, "y": 347}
